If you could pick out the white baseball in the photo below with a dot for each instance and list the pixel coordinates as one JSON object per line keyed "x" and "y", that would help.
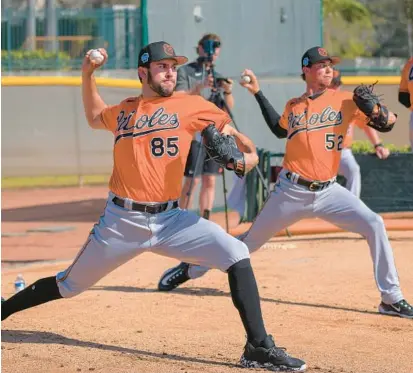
{"x": 246, "y": 78}
{"x": 96, "y": 57}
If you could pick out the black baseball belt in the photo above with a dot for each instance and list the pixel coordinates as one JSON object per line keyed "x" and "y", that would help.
{"x": 151, "y": 209}
{"x": 314, "y": 185}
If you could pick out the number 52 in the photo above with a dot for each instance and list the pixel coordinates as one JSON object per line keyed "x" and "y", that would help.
{"x": 332, "y": 142}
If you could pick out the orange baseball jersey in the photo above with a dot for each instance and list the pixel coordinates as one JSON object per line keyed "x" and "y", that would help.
{"x": 406, "y": 80}
{"x": 348, "y": 140}
{"x": 152, "y": 137}
{"x": 316, "y": 129}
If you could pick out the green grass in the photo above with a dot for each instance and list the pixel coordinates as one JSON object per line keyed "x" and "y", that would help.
{"x": 52, "y": 181}
{"x": 365, "y": 146}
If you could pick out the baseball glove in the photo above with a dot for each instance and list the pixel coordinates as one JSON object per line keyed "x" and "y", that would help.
{"x": 223, "y": 150}
{"x": 367, "y": 102}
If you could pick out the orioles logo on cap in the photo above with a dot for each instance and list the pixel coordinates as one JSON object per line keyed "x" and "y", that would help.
{"x": 322, "y": 52}
{"x": 168, "y": 50}
{"x": 145, "y": 57}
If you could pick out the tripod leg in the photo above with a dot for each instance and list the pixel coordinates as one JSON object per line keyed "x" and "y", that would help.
{"x": 225, "y": 201}
{"x": 198, "y": 165}
{"x": 260, "y": 175}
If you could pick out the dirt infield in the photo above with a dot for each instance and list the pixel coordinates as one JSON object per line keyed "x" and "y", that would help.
{"x": 318, "y": 297}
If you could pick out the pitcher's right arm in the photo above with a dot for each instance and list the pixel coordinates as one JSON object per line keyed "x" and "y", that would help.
{"x": 271, "y": 117}
{"x": 92, "y": 102}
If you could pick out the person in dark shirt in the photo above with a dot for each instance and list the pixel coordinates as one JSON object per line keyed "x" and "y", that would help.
{"x": 196, "y": 78}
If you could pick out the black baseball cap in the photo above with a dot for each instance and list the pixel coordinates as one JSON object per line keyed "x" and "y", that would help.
{"x": 317, "y": 54}
{"x": 157, "y": 51}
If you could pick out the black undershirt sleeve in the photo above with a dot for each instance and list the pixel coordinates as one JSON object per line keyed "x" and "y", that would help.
{"x": 404, "y": 99}
{"x": 270, "y": 115}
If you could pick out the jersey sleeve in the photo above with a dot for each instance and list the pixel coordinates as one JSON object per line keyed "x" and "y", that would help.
{"x": 207, "y": 113}
{"x": 360, "y": 120}
{"x": 109, "y": 117}
{"x": 351, "y": 112}
{"x": 404, "y": 80}
{"x": 284, "y": 117}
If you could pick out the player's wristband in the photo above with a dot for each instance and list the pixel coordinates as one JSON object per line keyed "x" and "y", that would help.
{"x": 227, "y": 93}
{"x": 378, "y": 145}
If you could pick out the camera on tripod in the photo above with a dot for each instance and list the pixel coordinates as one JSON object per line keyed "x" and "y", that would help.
{"x": 209, "y": 46}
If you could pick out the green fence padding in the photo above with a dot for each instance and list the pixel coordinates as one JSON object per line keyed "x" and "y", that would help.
{"x": 387, "y": 185}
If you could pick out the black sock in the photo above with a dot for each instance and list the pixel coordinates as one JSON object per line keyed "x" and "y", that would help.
{"x": 246, "y": 299}
{"x": 40, "y": 292}
{"x": 206, "y": 214}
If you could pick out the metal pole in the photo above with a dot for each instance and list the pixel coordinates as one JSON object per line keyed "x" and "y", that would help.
{"x": 51, "y": 26}
{"x": 225, "y": 201}
{"x": 31, "y": 25}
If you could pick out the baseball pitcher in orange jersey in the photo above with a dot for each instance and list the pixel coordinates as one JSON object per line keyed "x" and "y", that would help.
{"x": 314, "y": 126}
{"x": 152, "y": 134}
{"x": 348, "y": 168}
{"x": 406, "y": 92}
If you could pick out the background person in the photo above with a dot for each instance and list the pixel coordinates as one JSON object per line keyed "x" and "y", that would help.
{"x": 196, "y": 78}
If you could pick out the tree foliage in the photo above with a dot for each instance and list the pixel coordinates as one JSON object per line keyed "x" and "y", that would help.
{"x": 348, "y": 29}
{"x": 349, "y": 10}
{"x": 390, "y": 25}
{"x": 377, "y": 28}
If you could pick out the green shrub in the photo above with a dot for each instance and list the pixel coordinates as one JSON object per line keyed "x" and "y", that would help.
{"x": 362, "y": 147}
{"x": 34, "y": 60}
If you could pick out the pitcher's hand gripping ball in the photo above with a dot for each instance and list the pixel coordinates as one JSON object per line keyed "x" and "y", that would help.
{"x": 223, "y": 150}
{"x": 96, "y": 57}
{"x": 369, "y": 104}
{"x": 245, "y": 79}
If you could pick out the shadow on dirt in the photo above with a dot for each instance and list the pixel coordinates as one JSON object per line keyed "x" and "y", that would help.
{"x": 194, "y": 291}
{"x": 28, "y": 336}
{"x": 76, "y": 211}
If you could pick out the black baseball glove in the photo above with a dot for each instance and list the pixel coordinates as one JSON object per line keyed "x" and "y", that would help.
{"x": 223, "y": 150}
{"x": 367, "y": 101}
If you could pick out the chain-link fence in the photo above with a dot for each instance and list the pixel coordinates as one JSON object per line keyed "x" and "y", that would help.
{"x": 57, "y": 39}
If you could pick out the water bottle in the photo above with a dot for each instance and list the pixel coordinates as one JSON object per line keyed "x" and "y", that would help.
{"x": 19, "y": 283}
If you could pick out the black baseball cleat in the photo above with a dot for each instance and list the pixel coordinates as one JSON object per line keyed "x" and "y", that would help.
{"x": 401, "y": 309}
{"x": 270, "y": 357}
{"x": 174, "y": 277}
